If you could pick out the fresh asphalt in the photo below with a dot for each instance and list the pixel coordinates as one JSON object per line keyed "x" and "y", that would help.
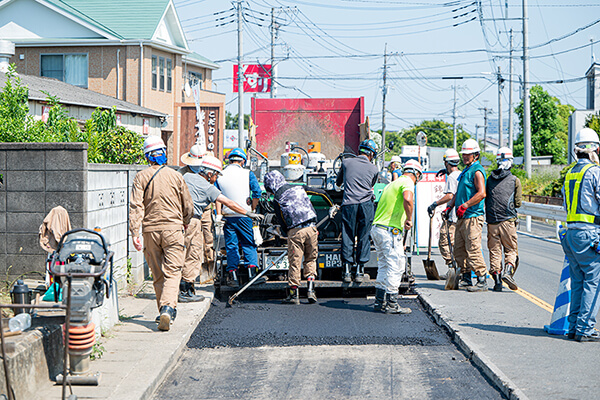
{"x": 336, "y": 349}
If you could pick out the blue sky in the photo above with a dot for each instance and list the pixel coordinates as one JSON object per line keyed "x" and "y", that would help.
{"x": 334, "y": 48}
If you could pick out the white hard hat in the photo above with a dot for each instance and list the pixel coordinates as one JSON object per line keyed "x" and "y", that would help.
{"x": 586, "y": 136}
{"x": 396, "y": 159}
{"x": 193, "y": 157}
{"x": 212, "y": 163}
{"x": 152, "y": 143}
{"x": 470, "y": 146}
{"x": 414, "y": 167}
{"x": 451, "y": 156}
{"x": 504, "y": 153}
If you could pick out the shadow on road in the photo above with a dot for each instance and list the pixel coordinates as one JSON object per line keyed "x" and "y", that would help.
{"x": 515, "y": 330}
{"x": 346, "y": 305}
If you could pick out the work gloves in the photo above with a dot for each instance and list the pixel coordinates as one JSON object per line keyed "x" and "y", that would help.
{"x": 255, "y": 216}
{"x": 441, "y": 172}
{"x": 446, "y": 213}
{"x": 333, "y": 210}
{"x": 431, "y": 209}
{"x": 460, "y": 211}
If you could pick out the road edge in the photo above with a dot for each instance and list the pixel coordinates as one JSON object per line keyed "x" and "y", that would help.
{"x": 472, "y": 352}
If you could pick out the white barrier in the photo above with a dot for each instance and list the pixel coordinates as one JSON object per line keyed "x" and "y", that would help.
{"x": 545, "y": 211}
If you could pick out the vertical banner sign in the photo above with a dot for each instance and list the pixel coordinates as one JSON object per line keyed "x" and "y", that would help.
{"x": 200, "y": 125}
{"x": 200, "y": 117}
{"x": 45, "y": 113}
{"x": 146, "y": 128}
{"x": 257, "y": 78}
{"x": 429, "y": 189}
{"x": 119, "y": 122}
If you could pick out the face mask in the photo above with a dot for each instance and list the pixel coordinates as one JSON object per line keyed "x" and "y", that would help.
{"x": 194, "y": 168}
{"x": 505, "y": 164}
{"x": 158, "y": 156}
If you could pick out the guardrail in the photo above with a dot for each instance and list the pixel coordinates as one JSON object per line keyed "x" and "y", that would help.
{"x": 545, "y": 211}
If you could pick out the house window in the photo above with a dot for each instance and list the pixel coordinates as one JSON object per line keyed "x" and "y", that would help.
{"x": 161, "y": 73}
{"x": 154, "y": 77}
{"x": 69, "y": 68}
{"x": 194, "y": 77}
{"x": 169, "y": 81}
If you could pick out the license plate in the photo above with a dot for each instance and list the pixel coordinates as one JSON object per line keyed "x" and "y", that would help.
{"x": 330, "y": 260}
{"x": 281, "y": 265}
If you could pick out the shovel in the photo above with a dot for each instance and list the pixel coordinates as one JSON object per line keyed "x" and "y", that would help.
{"x": 429, "y": 264}
{"x": 453, "y": 271}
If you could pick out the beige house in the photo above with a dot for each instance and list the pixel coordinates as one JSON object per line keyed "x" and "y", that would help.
{"x": 132, "y": 50}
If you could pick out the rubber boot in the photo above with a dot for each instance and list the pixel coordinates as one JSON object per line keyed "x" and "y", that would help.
{"x": 310, "y": 293}
{"x": 187, "y": 293}
{"x": 360, "y": 273}
{"x": 465, "y": 280}
{"x": 379, "y": 299}
{"x": 293, "y": 296}
{"x": 346, "y": 275}
{"x": 497, "y": 282}
{"x": 480, "y": 286}
{"x": 252, "y": 272}
{"x": 508, "y": 277}
{"x": 167, "y": 316}
{"x": 232, "y": 279}
{"x": 392, "y": 306}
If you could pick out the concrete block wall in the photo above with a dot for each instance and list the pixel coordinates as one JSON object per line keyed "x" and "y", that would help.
{"x": 37, "y": 177}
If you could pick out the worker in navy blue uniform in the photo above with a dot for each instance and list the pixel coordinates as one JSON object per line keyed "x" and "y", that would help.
{"x": 358, "y": 175}
{"x": 581, "y": 194}
{"x": 240, "y": 185}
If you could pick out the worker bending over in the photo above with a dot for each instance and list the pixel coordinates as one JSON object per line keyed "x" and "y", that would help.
{"x": 358, "y": 175}
{"x": 469, "y": 205}
{"x": 240, "y": 185}
{"x": 451, "y": 161}
{"x": 581, "y": 244}
{"x": 297, "y": 217}
{"x": 503, "y": 196}
{"x": 392, "y": 219}
{"x": 161, "y": 204}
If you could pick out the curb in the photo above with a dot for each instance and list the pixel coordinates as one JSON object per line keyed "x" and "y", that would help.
{"x": 472, "y": 352}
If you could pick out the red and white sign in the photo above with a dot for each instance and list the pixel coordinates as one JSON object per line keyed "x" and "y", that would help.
{"x": 257, "y": 78}
{"x": 119, "y": 123}
{"x": 45, "y": 113}
{"x": 429, "y": 189}
{"x": 146, "y": 128}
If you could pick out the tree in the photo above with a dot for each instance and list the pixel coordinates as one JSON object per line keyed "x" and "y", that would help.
{"x": 231, "y": 121}
{"x": 593, "y": 121}
{"x": 14, "y": 110}
{"x": 548, "y": 126}
{"x": 439, "y": 134}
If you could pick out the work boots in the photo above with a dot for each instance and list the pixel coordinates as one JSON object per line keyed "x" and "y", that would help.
{"x": 232, "y": 279}
{"x": 391, "y": 306}
{"x": 480, "y": 286}
{"x": 360, "y": 273}
{"x": 497, "y": 282}
{"x": 465, "y": 280}
{"x": 252, "y": 272}
{"x": 293, "y": 296}
{"x": 379, "y": 299}
{"x": 167, "y": 315}
{"x": 508, "y": 276}
{"x": 187, "y": 293}
{"x": 346, "y": 274}
{"x": 310, "y": 293}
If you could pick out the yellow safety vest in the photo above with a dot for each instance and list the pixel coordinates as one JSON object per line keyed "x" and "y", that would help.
{"x": 572, "y": 197}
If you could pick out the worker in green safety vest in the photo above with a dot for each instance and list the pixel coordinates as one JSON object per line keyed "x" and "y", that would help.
{"x": 581, "y": 193}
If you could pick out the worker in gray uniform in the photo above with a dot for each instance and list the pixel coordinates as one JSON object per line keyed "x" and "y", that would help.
{"x": 358, "y": 175}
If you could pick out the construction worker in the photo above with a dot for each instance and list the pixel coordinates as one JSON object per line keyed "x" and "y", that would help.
{"x": 581, "y": 193}
{"x": 203, "y": 241}
{"x": 469, "y": 205}
{"x": 358, "y": 175}
{"x": 240, "y": 185}
{"x": 297, "y": 217}
{"x": 504, "y": 195}
{"x": 392, "y": 219}
{"x": 161, "y": 204}
{"x": 451, "y": 161}
{"x": 396, "y": 167}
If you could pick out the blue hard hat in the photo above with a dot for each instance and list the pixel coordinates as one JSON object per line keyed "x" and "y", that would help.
{"x": 368, "y": 145}
{"x": 238, "y": 153}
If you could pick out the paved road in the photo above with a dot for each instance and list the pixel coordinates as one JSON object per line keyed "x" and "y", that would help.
{"x": 337, "y": 349}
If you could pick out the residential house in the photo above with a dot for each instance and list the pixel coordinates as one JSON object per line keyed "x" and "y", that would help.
{"x": 132, "y": 50}
{"x": 578, "y": 117}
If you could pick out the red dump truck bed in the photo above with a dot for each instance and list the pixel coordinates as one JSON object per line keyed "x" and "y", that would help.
{"x": 333, "y": 122}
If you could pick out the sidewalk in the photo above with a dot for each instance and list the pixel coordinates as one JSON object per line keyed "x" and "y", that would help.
{"x": 137, "y": 356}
{"x": 503, "y": 335}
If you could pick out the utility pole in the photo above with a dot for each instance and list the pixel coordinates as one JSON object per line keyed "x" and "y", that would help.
{"x": 384, "y": 93}
{"x": 510, "y": 90}
{"x": 454, "y": 119}
{"x": 526, "y": 104}
{"x": 485, "y": 125}
{"x": 500, "y": 130}
{"x": 273, "y": 68}
{"x": 240, "y": 78}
